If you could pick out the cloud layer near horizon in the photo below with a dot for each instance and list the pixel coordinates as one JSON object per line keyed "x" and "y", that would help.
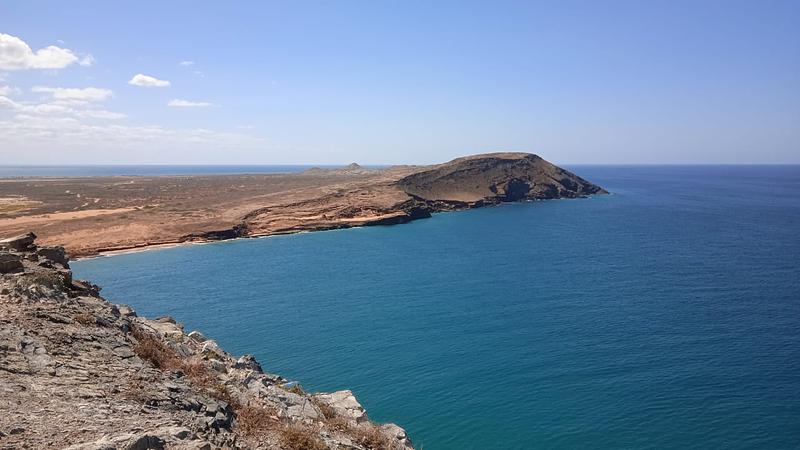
{"x": 37, "y": 120}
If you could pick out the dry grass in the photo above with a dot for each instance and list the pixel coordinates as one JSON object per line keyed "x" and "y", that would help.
{"x": 297, "y": 389}
{"x": 256, "y": 422}
{"x": 221, "y": 392}
{"x": 85, "y": 319}
{"x": 370, "y": 437}
{"x": 300, "y": 437}
{"x": 367, "y": 435}
{"x": 151, "y": 349}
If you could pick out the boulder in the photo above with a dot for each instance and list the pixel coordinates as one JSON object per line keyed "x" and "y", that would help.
{"x": 197, "y": 336}
{"x": 19, "y": 243}
{"x": 10, "y": 262}
{"x": 54, "y": 254}
{"x": 396, "y": 433}
{"x": 345, "y": 405}
{"x": 249, "y": 362}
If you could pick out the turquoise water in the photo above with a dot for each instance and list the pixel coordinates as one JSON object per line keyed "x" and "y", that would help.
{"x": 666, "y": 315}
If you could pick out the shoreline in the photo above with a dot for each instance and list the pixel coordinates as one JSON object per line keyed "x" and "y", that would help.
{"x": 177, "y": 244}
{"x": 106, "y": 216}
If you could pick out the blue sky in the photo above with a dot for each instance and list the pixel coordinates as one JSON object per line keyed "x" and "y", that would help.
{"x": 383, "y": 82}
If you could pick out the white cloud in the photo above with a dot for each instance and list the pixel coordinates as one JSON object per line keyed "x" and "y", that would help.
{"x": 87, "y": 60}
{"x": 37, "y": 138}
{"x": 6, "y": 91}
{"x": 7, "y": 103}
{"x": 147, "y": 81}
{"x": 62, "y": 104}
{"x": 15, "y": 54}
{"x": 178, "y": 103}
{"x": 186, "y": 63}
{"x": 75, "y": 95}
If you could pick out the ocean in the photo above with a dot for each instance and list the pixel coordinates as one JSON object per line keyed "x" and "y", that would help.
{"x": 665, "y": 315}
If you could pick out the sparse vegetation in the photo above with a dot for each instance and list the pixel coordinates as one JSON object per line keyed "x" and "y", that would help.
{"x": 151, "y": 349}
{"x": 85, "y": 319}
{"x": 367, "y": 435}
{"x": 256, "y": 422}
{"x": 297, "y": 389}
{"x": 37, "y": 281}
{"x": 370, "y": 436}
{"x": 300, "y": 437}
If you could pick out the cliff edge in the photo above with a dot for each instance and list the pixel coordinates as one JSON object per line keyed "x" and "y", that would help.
{"x": 79, "y": 372}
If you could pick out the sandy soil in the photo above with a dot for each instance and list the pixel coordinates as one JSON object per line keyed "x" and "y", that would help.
{"x": 96, "y": 214}
{"x": 90, "y": 215}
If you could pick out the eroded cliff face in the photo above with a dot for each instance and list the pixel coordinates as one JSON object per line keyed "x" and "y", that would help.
{"x": 79, "y": 372}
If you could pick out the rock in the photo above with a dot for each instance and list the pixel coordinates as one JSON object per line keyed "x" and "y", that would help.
{"x": 19, "y": 243}
{"x": 75, "y": 373}
{"x": 211, "y": 350}
{"x": 249, "y": 362}
{"x": 54, "y": 254}
{"x": 297, "y": 407}
{"x": 86, "y": 287}
{"x": 197, "y": 336}
{"x": 10, "y": 262}
{"x": 396, "y": 433}
{"x": 345, "y": 405}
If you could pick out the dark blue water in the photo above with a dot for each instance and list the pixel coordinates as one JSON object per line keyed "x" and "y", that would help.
{"x": 148, "y": 170}
{"x": 666, "y": 315}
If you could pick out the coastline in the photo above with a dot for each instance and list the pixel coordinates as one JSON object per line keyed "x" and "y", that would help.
{"x": 96, "y": 216}
{"x": 145, "y": 383}
{"x": 191, "y": 242}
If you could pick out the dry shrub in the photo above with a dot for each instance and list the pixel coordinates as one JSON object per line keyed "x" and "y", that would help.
{"x": 221, "y": 392}
{"x": 333, "y": 421}
{"x": 326, "y": 409}
{"x": 338, "y": 424}
{"x": 85, "y": 319}
{"x": 300, "y": 437}
{"x": 199, "y": 374}
{"x": 151, "y": 349}
{"x": 136, "y": 390}
{"x": 255, "y": 422}
{"x": 370, "y": 437}
{"x": 297, "y": 389}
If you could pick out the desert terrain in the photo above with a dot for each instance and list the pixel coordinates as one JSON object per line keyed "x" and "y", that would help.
{"x": 90, "y": 215}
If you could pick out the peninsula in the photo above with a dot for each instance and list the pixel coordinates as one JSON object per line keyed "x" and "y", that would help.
{"x": 91, "y": 215}
{"x": 82, "y": 373}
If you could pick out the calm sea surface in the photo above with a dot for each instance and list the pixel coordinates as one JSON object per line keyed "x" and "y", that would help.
{"x": 666, "y": 315}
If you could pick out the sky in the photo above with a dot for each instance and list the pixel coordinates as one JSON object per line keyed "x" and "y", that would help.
{"x": 393, "y": 82}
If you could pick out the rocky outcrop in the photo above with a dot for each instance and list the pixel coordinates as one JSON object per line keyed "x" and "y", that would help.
{"x": 79, "y": 372}
{"x": 494, "y": 178}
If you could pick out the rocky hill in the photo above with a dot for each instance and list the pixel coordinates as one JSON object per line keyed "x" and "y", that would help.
{"x": 79, "y": 372}
{"x": 495, "y": 178}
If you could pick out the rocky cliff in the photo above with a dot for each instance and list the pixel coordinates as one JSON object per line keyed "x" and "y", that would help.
{"x": 79, "y": 372}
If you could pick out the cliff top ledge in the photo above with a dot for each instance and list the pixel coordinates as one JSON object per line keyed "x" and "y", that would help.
{"x": 79, "y": 372}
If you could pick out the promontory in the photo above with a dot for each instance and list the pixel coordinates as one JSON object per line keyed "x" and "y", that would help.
{"x": 90, "y": 215}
